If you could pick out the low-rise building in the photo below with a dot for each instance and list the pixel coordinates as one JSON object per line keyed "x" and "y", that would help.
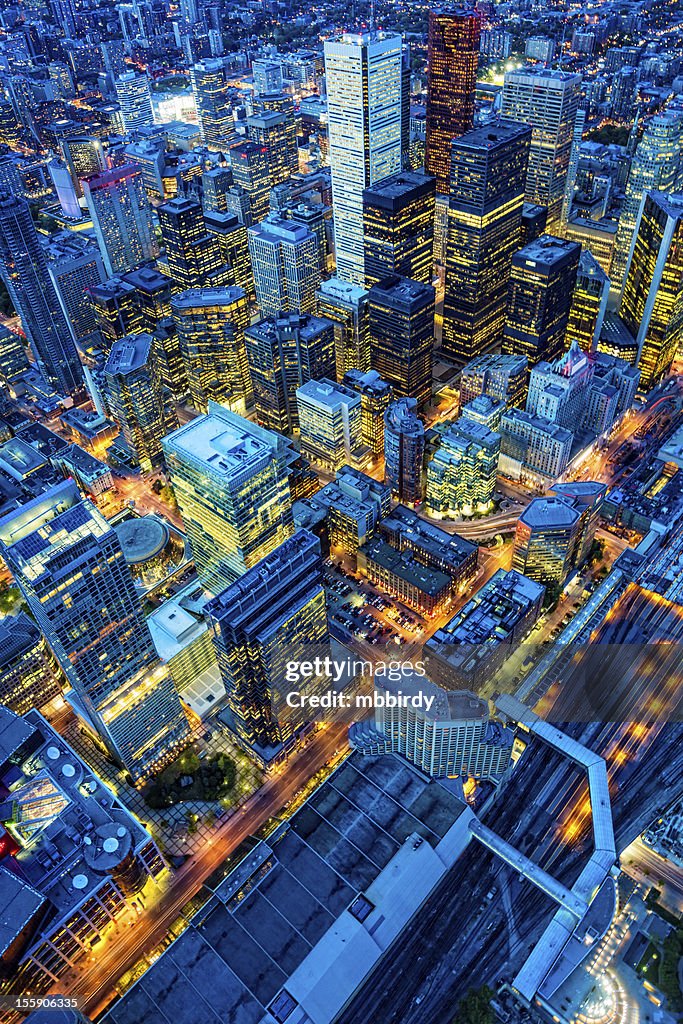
{"x": 400, "y": 574}
{"x": 461, "y": 475}
{"x": 447, "y": 552}
{"x": 533, "y": 450}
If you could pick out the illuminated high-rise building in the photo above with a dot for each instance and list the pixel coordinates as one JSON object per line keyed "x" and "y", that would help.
{"x": 657, "y": 164}
{"x": 132, "y": 92}
{"x": 404, "y": 449}
{"x": 269, "y": 129}
{"x": 284, "y": 352}
{"x": 283, "y": 103}
{"x": 233, "y": 245}
{"x": 284, "y": 259}
{"x": 230, "y": 479}
{"x": 548, "y": 101}
{"x": 73, "y": 270}
{"x": 24, "y": 271}
{"x": 133, "y": 389}
{"x": 501, "y": 377}
{"x": 375, "y": 396}
{"x": 215, "y": 185}
{"x": 461, "y": 475}
{"x": 589, "y": 303}
{"x": 192, "y": 253}
{"x": 210, "y": 323}
{"x": 545, "y": 540}
{"x": 330, "y": 423}
{"x": 276, "y": 608}
{"x": 251, "y": 171}
{"x": 652, "y": 301}
{"x": 542, "y": 282}
{"x": 347, "y": 306}
{"x": 84, "y": 156}
{"x": 115, "y": 310}
{"x": 69, "y": 565}
{"x": 452, "y": 59}
{"x": 152, "y": 295}
{"x": 211, "y": 92}
{"x": 402, "y": 336}
{"x": 398, "y": 224}
{"x": 488, "y": 174}
{"x": 122, "y": 218}
{"x": 363, "y": 75}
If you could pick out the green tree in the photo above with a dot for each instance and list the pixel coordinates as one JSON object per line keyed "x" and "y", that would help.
{"x": 475, "y": 1007}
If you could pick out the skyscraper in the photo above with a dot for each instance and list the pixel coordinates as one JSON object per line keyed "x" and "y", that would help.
{"x": 133, "y": 390}
{"x": 24, "y": 270}
{"x": 210, "y": 323}
{"x": 273, "y": 614}
{"x": 402, "y": 335}
{"x": 269, "y": 129}
{"x": 363, "y": 74}
{"x": 284, "y": 258}
{"x": 657, "y": 165}
{"x": 330, "y": 423}
{"x": 404, "y": 447}
{"x": 212, "y": 98}
{"x": 398, "y": 224}
{"x": 375, "y": 396}
{"x": 503, "y": 378}
{"x": 73, "y": 271}
{"x": 251, "y": 170}
{"x": 230, "y": 481}
{"x": 548, "y": 101}
{"x": 233, "y": 245}
{"x": 284, "y": 352}
{"x": 488, "y": 174}
{"x": 347, "y": 306}
{"x": 452, "y": 59}
{"x": 589, "y": 302}
{"x": 122, "y": 218}
{"x": 545, "y": 539}
{"x": 115, "y": 310}
{"x": 192, "y": 253}
{"x": 132, "y": 92}
{"x": 652, "y": 302}
{"x": 540, "y": 295}
{"x": 71, "y": 569}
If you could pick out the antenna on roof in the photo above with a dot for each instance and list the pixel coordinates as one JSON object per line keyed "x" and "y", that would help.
{"x": 372, "y": 15}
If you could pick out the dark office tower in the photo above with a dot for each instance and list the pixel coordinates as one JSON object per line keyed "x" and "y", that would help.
{"x": 398, "y": 225}
{"x": 249, "y": 162}
{"x": 539, "y": 298}
{"x": 278, "y": 606}
{"x": 216, "y": 184}
{"x": 234, "y": 249}
{"x": 69, "y": 565}
{"x": 589, "y": 303}
{"x": 116, "y": 311}
{"x": 269, "y": 129}
{"x": 23, "y": 268}
{"x": 133, "y": 390}
{"x": 534, "y": 219}
{"x": 192, "y": 253}
{"x": 405, "y": 106}
{"x": 284, "y": 352}
{"x": 152, "y": 296}
{"x": 452, "y": 60}
{"x": 402, "y": 335}
{"x": 652, "y": 302}
{"x": 210, "y": 324}
{"x": 122, "y": 218}
{"x": 312, "y": 216}
{"x": 488, "y": 174}
{"x": 404, "y": 448}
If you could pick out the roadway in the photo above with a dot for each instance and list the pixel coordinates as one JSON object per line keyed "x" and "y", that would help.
{"x": 95, "y": 982}
{"x": 646, "y": 865}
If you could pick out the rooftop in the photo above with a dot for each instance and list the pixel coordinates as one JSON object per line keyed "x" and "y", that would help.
{"x": 403, "y": 565}
{"x": 129, "y": 354}
{"x": 549, "y": 514}
{"x": 328, "y": 892}
{"x": 223, "y": 443}
{"x": 328, "y": 393}
{"x": 546, "y": 250}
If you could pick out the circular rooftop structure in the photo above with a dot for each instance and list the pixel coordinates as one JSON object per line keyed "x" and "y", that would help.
{"x": 142, "y": 539}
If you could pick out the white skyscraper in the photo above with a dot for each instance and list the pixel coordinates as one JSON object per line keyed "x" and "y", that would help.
{"x": 548, "y": 101}
{"x": 363, "y": 74}
{"x": 132, "y": 91}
